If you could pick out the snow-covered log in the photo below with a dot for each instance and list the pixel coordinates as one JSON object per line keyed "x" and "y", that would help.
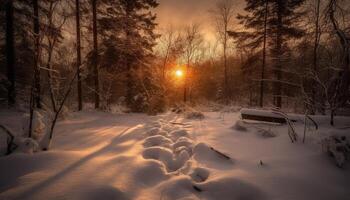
{"x": 264, "y": 115}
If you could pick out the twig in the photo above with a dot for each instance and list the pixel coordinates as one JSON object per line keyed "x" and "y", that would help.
{"x": 220, "y": 153}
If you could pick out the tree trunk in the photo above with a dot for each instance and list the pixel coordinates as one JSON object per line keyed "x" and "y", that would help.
{"x": 264, "y": 57}
{"x": 332, "y": 117}
{"x": 186, "y": 80}
{"x": 96, "y": 76}
{"x": 37, "y": 86}
{"x": 10, "y": 54}
{"x": 226, "y": 90}
{"x": 77, "y": 18}
{"x": 315, "y": 53}
{"x": 278, "y": 55}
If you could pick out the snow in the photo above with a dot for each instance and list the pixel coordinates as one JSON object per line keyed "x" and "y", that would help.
{"x": 96, "y": 155}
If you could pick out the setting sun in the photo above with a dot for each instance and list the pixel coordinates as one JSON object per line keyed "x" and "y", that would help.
{"x": 179, "y": 73}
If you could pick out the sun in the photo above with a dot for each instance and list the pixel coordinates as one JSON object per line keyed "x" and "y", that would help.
{"x": 179, "y": 73}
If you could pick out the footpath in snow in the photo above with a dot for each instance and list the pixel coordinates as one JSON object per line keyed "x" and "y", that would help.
{"x": 134, "y": 156}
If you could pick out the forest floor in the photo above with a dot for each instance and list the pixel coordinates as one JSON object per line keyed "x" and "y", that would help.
{"x": 98, "y": 155}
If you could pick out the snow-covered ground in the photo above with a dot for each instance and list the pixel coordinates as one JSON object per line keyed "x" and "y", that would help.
{"x": 98, "y": 155}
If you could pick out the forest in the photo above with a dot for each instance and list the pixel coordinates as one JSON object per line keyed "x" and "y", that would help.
{"x": 122, "y": 72}
{"x": 292, "y": 55}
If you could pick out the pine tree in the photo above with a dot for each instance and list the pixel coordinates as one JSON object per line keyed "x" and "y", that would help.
{"x": 272, "y": 22}
{"x": 256, "y": 34}
{"x": 126, "y": 34}
{"x": 139, "y": 26}
{"x": 282, "y": 27}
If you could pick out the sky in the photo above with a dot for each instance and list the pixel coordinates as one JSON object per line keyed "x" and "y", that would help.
{"x": 184, "y": 12}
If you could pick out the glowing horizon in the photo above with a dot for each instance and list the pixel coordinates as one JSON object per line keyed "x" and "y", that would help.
{"x": 181, "y": 13}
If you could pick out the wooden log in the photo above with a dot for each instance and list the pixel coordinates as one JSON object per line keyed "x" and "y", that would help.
{"x": 263, "y": 115}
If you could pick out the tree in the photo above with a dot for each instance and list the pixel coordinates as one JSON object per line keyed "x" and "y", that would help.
{"x": 317, "y": 38}
{"x": 52, "y": 37}
{"x": 274, "y": 22}
{"x": 282, "y": 26}
{"x": 37, "y": 78}
{"x": 256, "y": 35}
{"x": 125, "y": 34}
{"x": 223, "y": 15}
{"x": 340, "y": 86}
{"x": 263, "y": 66}
{"x": 169, "y": 48}
{"x": 192, "y": 42}
{"x": 10, "y": 53}
{"x": 138, "y": 23}
{"x": 95, "y": 54}
{"x": 77, "y": 18}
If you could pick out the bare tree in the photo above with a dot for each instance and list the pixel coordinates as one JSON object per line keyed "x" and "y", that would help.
{"x": 192, "y": 43}
{"x": 317, "y": 38}
{"x": 170, "y": 48}
{"x": 223, "y": 15}
{"x": 52, "y": 37}
{"x": 167, "y": 40}
{"x": 339, "y": 90}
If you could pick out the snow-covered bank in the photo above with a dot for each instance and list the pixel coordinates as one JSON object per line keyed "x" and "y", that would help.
{"x": 134, "y": 156}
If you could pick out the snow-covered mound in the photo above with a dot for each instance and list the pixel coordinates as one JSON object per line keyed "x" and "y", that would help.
{"x": 239, "y": 126}
{"x": 195, "y": 115}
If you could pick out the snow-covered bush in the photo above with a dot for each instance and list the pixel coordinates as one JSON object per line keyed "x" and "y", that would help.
{"x": 116, "y": 108}
{"x": 138, "y": 103}
{"x": 40, "y": 126}
{"x": 156, "y": 105}
{"x": 266, "y": 133}
{"x": 178, "y": 109}
{"x": 26, "y": 145}
{"x": 338, "y": 147}
{"x": 239, "y": 126}
{"x": 194, "y": 115}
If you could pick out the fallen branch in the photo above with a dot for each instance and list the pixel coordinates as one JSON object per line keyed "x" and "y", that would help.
{"x": 197, "y": 188}
{"x": 178, "y": 123}
{"x": 221, "y": 154}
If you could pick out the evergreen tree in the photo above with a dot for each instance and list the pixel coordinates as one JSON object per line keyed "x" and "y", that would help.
{"x": 139, "y": 24}
{"x": 282, "y": 27}
{"x": 274, "y": 22}
{"x": 126, "y": 33}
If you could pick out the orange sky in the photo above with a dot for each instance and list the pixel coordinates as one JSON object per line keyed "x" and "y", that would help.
{"x": 184, "y": 12}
